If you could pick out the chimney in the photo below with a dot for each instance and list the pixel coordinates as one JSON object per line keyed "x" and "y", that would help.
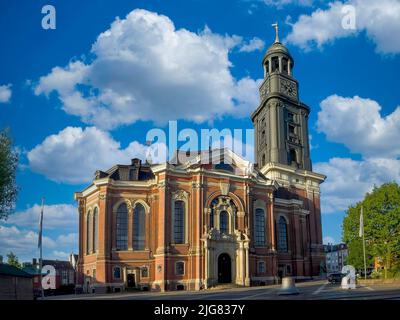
{"x": 136, "y": 162}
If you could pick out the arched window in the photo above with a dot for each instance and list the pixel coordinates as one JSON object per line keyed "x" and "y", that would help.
{"x": 285, "y": 65}
{"x": 138, "y": 234}
{"x": 95, "y": 229}
{"x": 89, "y": 233}
{"x": 223, "y": 222}
{"x": 275, "y": 64}
{"x": 282, "y": 235}
{"x": 122, "y": 227}
{"x": 179, "y": 221}
{"x": 259, "y": 227}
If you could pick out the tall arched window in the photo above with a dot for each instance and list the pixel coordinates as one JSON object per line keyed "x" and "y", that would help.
{"x": 89, "y": 233}
{"x": 139, "y": 222}
{"x": 259, "y": 227}
{"x": 179, "y": 221}
{"x": 282, "y": 235}
{"x": 223, "y": 222}
{"x": 95, "y": 229}
{"x": 122, "y": 227}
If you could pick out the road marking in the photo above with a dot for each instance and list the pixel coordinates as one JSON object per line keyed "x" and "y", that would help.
{"x": 370, "y": 289}
{"x": 320, "y": 289}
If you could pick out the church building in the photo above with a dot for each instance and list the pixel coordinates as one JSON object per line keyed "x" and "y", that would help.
{"x": 193, "y": 225}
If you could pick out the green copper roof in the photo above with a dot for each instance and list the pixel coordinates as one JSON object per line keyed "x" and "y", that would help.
{"x": 6, "y": 269}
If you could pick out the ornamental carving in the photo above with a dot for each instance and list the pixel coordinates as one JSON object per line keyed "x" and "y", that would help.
{"x": 224, "y": 187}
{"x": 162, "y": 184}
{"x": 180, "y": 195}
{"x": 128, "y": 204}
{"x": 197, "y": 185}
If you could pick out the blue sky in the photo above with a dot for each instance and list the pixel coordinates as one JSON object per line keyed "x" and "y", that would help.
{"x": 349, "y": 78}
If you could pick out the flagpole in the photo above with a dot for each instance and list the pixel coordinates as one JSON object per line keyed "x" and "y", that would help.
{"x": 363, "y": 235}
{"x": 40, "y": 249}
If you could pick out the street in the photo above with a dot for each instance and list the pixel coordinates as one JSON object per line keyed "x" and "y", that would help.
{"x": 312, "y": 290}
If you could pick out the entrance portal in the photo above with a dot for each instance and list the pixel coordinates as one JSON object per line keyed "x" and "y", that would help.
{"x": 131, "y": 280}
{"x": 224, "y": 268}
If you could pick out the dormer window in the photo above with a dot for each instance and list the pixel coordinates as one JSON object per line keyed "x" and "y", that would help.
{"x": 224, "y": 166}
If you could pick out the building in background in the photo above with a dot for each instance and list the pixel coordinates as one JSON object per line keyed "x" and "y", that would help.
{"x": 191, "y": 224}
{"x": 336, "y": 257}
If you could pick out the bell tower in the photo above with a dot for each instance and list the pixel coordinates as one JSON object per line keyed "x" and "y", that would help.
{"x": 281, "y": 120}
{"x": 282, "y": 152}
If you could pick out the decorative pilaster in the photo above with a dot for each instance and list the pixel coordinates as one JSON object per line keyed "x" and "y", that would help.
{"x": 130, "y": 223}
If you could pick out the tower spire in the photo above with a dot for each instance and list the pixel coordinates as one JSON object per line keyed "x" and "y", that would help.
{"x": 276, "y": 26}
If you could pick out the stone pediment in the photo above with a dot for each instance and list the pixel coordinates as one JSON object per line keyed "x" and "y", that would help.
{"x": 223, "y": 156}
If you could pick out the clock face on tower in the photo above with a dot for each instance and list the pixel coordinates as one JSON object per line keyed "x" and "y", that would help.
{"x": 288, "y": 88}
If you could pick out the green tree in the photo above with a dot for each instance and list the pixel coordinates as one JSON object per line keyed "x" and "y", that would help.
{"x": 8, "y": 167}
{"x": 381, "y": 227}
{"x": 12, "y": 260}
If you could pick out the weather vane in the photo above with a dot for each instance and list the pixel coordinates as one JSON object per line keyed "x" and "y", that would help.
{"x": 275, "y": 25}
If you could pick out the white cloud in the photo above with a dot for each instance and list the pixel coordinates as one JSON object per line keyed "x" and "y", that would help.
{"x": 22, "y": 242}
{"x": 255, "y": 44}
{"x": 357, "y": 123}
{"x": 379, "y": 19}
{"x": 5, "y": 93}
{"x": 74, "y": 154}
{"x": 70, "y": 239}
{"x": 55, "y": 216}
{"x": 329, "y": 240}
{"x": 145, "y": 69}
{"x": 281, "y": 3}
{"x": 60, "y": 255}
{"x": 349, "y": 180}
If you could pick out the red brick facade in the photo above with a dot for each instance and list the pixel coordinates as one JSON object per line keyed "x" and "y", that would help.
{"x": 208, "y": 238}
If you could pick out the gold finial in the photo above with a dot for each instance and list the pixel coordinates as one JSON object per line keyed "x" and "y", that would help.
{"x": 275, "y": 25}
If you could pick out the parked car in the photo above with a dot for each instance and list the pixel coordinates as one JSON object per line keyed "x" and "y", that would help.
{"x": 335, "y": 277}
